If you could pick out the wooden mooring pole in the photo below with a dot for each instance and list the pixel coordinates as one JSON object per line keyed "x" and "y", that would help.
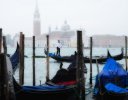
{"x": 97, "y": 67}
{"x": 47, "y": 75}
{"x": 80, "y": 67}
{"x": 91, "y": 61}
{"x": 21, "y": 69}
{"x": 34, "y": 75}
{"x": 4, "y": 45}
{"x": 0, "y": 40}
{"x": 6, "y": 76}
{"x": 126, "y": 52}
{"x": 1, "y": 85}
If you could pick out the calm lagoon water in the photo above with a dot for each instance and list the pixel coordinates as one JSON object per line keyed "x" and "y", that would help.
{"x": 54, "y": 66}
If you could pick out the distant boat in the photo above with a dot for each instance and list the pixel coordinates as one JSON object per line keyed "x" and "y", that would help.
{"x": 39, "y": 56}
{"x": 86, "y": 47}
{"x": 86, "y": 59}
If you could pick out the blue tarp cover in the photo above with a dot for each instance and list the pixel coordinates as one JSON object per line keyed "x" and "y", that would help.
{"x": 51, "y": 54}
{"x": 113, "y": 68}
{"x": 114, "y": 73}
{"x": 114, "y": 88}
{"x": 43, "y": 88}
{"x": 54, "y": 55}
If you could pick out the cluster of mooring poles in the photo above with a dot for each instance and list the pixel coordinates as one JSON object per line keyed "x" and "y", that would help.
{"x": 7, "y": 91}
{"x": 5, "y": 94}
{"x": 6, "y": 78}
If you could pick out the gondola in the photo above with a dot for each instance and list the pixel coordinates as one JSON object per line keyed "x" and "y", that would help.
{"x": 111, "y": 82}
{"x": 86, "y": 59}
{"x": 45, "y": 92}
{"x": 6, "y": 80}
{"x": 64, "y": 76}
{"x": 42, "y": 92}
{"x": 15, "y": 58}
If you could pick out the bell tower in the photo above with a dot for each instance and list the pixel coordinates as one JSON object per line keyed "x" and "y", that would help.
{"x": 36, "y": 22}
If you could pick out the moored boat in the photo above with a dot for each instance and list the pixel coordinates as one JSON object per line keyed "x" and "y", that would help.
{"x": 111, "y": 83}
{"x": 86, "y": 59}
{"x": 46, "y": 92}
{"x": 15, "y": 58}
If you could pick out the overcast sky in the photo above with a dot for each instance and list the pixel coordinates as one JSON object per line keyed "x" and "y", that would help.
{"x": 95, "y": 16}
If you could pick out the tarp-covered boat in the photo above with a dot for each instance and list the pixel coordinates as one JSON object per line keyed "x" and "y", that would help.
{"x": 45, "y": 92}
{"x": 111, "y": 83}
{"x": 65, "y": 77}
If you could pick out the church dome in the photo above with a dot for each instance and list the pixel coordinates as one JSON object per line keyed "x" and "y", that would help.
{"x": 65, "y": 26}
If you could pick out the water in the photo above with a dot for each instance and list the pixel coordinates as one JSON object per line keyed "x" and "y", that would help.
{"x": 54, "y": 66}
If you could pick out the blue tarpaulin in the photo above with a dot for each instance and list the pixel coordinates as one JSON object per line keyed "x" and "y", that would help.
{"x": 114, "y": 88}
{"x": 114, "y": 73}
{"x": 112, "y": 69}
{"x": 54, "y": 55}
{"x": 43, "y": 88}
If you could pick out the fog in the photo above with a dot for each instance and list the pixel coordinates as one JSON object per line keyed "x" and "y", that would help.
{"x": 95, "y": 16}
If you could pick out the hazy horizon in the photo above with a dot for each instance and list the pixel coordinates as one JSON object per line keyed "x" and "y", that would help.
{"x": 95, "y": 16}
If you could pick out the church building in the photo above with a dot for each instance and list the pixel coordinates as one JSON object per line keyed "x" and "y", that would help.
{"x": 64, "y": 33}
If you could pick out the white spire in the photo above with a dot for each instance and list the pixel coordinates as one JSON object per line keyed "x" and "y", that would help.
{"x": 37, "y": 23}
{"x": 36, "y": 14}
{"x": 36, "y": 9}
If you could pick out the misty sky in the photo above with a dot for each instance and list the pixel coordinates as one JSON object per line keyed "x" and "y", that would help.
{"x": 95, "y": 16}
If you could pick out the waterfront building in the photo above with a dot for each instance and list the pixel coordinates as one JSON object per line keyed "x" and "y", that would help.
{"x": 108, "y": 41}
{"x": 64, "y": 33}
